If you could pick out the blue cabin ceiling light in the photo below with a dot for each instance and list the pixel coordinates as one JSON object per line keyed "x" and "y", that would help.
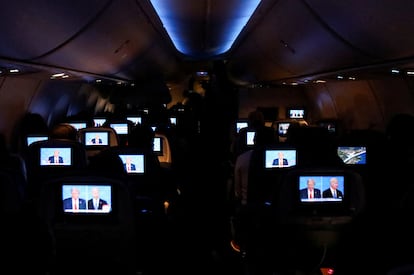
{"x": 206, "y": 29}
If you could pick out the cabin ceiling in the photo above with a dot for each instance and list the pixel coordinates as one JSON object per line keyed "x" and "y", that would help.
{"x": 284, "y": 40}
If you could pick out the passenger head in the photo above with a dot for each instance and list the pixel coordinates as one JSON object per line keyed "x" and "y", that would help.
{"x": 399, "y": 129}
{"x": 141, "y": 136}
{"x": 264, "y": 136}
{"x": 256, "y": 119}
{"x": 315, "y": 145}
{"x": 107, "y": 163}
{"x": 64, "y": 131}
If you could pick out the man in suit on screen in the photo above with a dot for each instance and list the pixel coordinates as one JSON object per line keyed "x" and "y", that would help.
{"x": 55, "y": 159}
{"x": 129, "y": 166}
{"x": 310, "y": 192}
{"x": 74, "y": 202}
{"x": 333, "y": 191}
{"x": 96, "y": 203}
{"x": 280, "y": 161}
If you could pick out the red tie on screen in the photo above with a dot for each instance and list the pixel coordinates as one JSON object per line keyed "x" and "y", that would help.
{"x": 310, "y": 195}
{"x": 76, "y": 205}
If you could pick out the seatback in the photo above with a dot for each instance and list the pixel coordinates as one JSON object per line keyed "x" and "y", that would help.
{"x": 104, "y": 236}
{"x": 122, "y": 127}
{"x": 95, "y": 139}
{"x": 148, "y": 178}
{"x": 40, "y": 166}
{"x": 257, "y": 180}
{"x": 164, "y": 154}
{"x": 307, "y": 226}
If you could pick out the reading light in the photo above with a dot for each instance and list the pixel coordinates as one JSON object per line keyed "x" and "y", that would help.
{"x": 220, "y": 37}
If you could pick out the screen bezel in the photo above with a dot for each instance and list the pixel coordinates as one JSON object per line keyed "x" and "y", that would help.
{"x": 46, "y": 152}
{"x": 289, "y": 112}
{"x": 34, "y": 138}
{"x": 158, "y": 151}
{"x": 105, "y": 194}
{"x": 272, "y": 153}
{"x": 173, "y": 120}
{"x": 241, "y": 125}
{"x": 91, "y": 134}
{"x": 138, "y": 160}
{"x": 78, "y": 124}
{"x": 331, "y": 126}
{"x": 100, "y": 217}
{"x": 323, "y": 207}
{"x": 99, "y": 121}
{"x": 115, "y": 126}
{"x": 364, "y": 149}
{"x": 284, "y": 132}
{"x": 136, "y": 120}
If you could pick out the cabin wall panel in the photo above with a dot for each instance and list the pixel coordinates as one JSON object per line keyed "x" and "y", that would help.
{"x": 250, "y": 99}
{"x": 394, "y": 95}
{"x": 356, "y": 104}
{"x": 323, "y": 106}
{"x": 15, "y": 98}
{"x": 362, "y": 104}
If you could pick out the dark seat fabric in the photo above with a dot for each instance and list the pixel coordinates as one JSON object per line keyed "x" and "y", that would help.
{"x": 37, "y": 172}
{"x": 90, "y": 235}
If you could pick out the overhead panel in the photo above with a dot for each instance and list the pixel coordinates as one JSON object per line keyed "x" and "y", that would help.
{"x": 204, "y": 28}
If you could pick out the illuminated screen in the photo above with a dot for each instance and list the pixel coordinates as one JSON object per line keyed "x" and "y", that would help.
{"x": 331, "y": 126}
{"x": 120, "y": 128}
{"x": 135, "y": 119}
{"x": 96, "y": 138}
{"x": 98, "y": 122}
{"x": 282, "y": 128}
{"x": 31, "y": 139}
{"x": 353, "y": 154}
{"x": 55, "y": 156}
{"x": 322, "y": 188}
{"x": 133, "y": 163}
{"x": 86, "y": 198}
{"x": 173, "y": 120}
{"x": 296, "y": 113}
{"x": 250, "y": 137}
{"x": 240, "y": 125}
{"x": 157, "y": 145}
{"x": 78, "y": 125}
{"x": 280, "y": 158}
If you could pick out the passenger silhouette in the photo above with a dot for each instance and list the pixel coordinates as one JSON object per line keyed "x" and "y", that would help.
{"x": 63, "y": 131}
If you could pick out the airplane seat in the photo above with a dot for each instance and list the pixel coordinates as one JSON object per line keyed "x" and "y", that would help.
{"x": 399, "y": 157}
{"x": 402, "y": 269}
{"x": 364, "y": 150}
{"x": 63, "y": 131}
{"x": 252, "y": 187}
{"x": 122, "y": 127}
{"x": 85, "y": 232}
{"x": 96, "y": 139}
{"x": 244, "y": 139}
{"x": 147, "y": 180}
{"x": 153, "y": 192}
{"x": 313, "y": 231}
{"x": 31, "y": 124}
{"x": 42, "y": 163}
{"x": 163, "y": 151}
{"x": 315, "y": 146}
